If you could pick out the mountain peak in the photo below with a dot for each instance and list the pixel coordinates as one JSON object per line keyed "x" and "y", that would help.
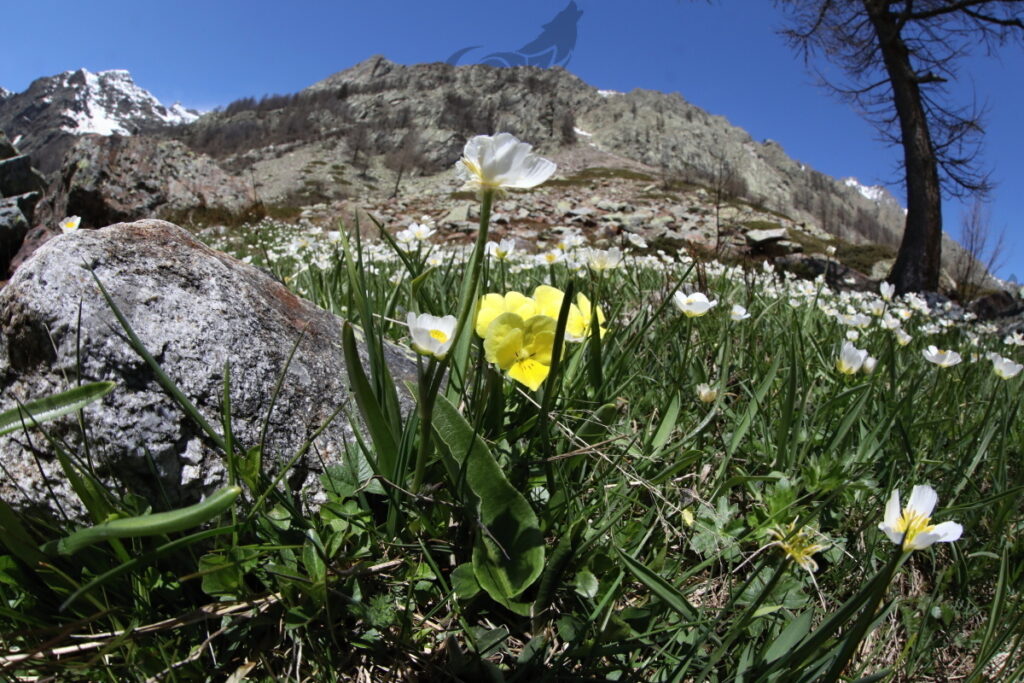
{"x": 82, "y": 102}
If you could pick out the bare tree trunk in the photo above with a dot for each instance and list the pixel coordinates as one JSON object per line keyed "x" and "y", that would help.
{"x": 918, "y": 261}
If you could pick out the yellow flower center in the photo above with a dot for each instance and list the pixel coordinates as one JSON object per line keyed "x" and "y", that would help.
{"x": 912, "y": 523}
{"x": 439, "y": 336}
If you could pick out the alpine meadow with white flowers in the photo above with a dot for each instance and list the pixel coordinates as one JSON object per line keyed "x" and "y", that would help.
{"x": 624, "y": 463}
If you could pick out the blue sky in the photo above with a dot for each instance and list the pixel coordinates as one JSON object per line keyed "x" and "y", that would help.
{"x": 725, "y": 57}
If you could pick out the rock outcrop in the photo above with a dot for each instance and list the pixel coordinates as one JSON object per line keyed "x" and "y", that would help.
{"x": 111, "y": 179}
{"x": 20, "y": 189}
{"x": 196, "y": 311}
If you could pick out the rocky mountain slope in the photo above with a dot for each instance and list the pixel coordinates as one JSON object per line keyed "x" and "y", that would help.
{"x": 46, "y": 118}
{"x": 328, "y": 141}
{"x": 112, "y": 152}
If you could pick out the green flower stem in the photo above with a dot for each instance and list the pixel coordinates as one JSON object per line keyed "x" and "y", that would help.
{"x": 471, "y": 283}
{"x": 867, "y": 615}
{"x": 430, "y": 382}
{"x": 428, "y": 386}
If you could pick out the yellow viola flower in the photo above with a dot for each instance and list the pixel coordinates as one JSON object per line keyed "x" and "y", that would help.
{"x": 577, "y": 326}
{"x": 578, "y": 329}
{"x": 493, "y": 305}
{"x": 521, "y": 348}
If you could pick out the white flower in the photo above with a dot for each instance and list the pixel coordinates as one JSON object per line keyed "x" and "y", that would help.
{"x": 852, "y": 335}
{"x": 1015, "y": 339}
{"x": 636, "y": 240}
{"x": 738, "y": 313}
{"x": 502, "y": 161}
{"x": 431, "y": 335}
{"x": 887, "y": 289}
{"x": 570, "y": 240}
{"x": 70, "y": 224}
{"x": 693, "y": 305}
{"x": 1004, "y": 367}
{"x": 869, "y": 365}
{"x": 941, "y": 357}
{"x": 420, "y": 231}
{"x": 705, "y": 393}
{"x": 500, "y": 251}
{"x": 549, "y": 258}
{"x": 850, "y": 359}
{"x": 912, "y": 526}
{"x": 604, "y": 259}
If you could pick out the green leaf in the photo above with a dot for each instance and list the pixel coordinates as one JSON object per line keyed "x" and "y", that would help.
{"x": 508, "y": 555}
{"x": 16, "y": 538}
{"x": 790, "y": 636}
{"x": 221, "y": 576}
{"x": 52, "y": 407}
{"x": 668, "y": 424}
{"x": 464, "y": 582}
{"x": 384, "y": 442}
{"x": 151, "y": 525}
{"x": 753, "y": 407}
{"x": 659, "y": 586}
{"x": 586, "y": 583}
{"x": 491, "y": 641}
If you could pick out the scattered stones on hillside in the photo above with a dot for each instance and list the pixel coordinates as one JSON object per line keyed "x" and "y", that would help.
{"x": 998, "y": 304}
{"x": 837, "y": 275}
{"x": 197, "y": 311}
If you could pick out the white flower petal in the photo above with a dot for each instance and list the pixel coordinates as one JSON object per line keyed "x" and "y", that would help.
{"x": 947, "y": 532}
{"x": 893, "y": 512}
{"x": 922, "y": 500}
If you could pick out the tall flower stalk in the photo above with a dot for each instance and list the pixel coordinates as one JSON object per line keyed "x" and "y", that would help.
{"x": 489, "y": 165}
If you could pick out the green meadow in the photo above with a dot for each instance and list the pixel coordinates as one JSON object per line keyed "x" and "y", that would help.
{"x": 641, "y": 466}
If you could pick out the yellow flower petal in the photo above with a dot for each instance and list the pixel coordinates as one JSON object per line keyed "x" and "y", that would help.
{"x": 529, "y": 372}
{"x": 493, "y": 305}
{"x": 504, "y": 340}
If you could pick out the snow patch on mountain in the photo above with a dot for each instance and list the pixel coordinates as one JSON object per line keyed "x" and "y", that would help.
{"x": 110, "y": 103}
{"x": 4, "y": 93}
{"x": 875, "y": 193}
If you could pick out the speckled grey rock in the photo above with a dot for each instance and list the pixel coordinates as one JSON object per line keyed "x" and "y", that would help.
{"x": 195, "y": 310}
